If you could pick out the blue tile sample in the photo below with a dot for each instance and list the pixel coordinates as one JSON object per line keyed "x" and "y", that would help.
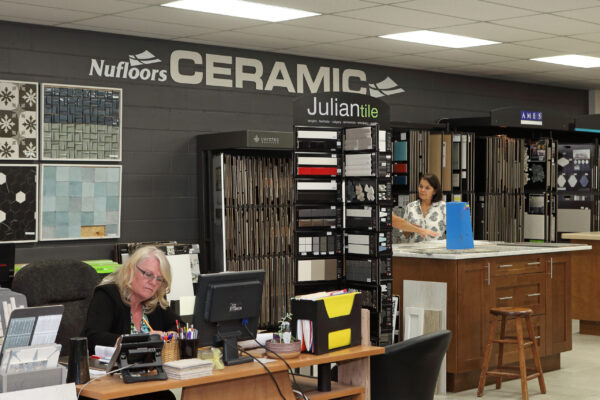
{"x": 76, "y": 201}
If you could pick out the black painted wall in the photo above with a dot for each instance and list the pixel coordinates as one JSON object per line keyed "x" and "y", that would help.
{"x": 161, "y": 120}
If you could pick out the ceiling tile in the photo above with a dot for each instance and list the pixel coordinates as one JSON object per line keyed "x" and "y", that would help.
{"x": 191, "y": 18}
{"x": 591, "y": 37}
{"x": 515, "y": 51}
{"x": 532, "y": 66}
{"x": 294, "y": 32}
{"x": 472, "y": 9}
{"x": 339, "y": 52}
{"x": 93, "y": 6}
{"x": 551, "y": 24}
{"x": 238, "y": 38}
{"x": 27, "y": 20}
{"x": 49, "y": 14}
{"x": 348, "y": 25}
{"x": 320, "y": 6}
{"x": 404, "y": 17}
{"x": 464, "y": 56}
{"x": 587, "y": 14}
{"x": 215, "y": 43}
{"x": 492, "y": 31}
{"x": 114, "y": 30}
{"x": 110, "y": 22}
{"x": 148, "y": 2}
{"x": 546, "y": 5}
{"x": 388, "y": 45}
{"x": 576, "y": 74}
{"x": 562, "y": 44}
{"x": 317, "y": 53}
{"x": 411, "y": 61}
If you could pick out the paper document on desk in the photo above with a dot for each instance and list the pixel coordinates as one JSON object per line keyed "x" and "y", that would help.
{"x": 251, "y": 344}
{"x": 104, "y": 352}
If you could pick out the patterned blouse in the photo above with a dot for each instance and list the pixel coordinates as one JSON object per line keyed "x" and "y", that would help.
{"x": 143, "y": 325}
{"x": 435, "y": 220}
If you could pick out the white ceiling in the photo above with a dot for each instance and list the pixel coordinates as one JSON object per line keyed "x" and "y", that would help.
{"x": 349, "y": 30}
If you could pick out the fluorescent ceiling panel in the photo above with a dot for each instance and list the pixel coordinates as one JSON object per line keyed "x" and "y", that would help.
{"x": 439, "y": 39}
{"x": 242, "y": 9}
{"x": 572, "y": 60}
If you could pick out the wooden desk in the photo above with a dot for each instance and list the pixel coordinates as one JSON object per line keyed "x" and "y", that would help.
{"x": 251, "y": 381}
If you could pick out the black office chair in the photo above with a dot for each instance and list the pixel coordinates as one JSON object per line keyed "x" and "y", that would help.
{"x": 67, "y": 282}
{"x": 409, "y": 370}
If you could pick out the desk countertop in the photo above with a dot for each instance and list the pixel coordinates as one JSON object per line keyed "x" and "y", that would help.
{"x": 582, "y": 236}
{"x": 436, "y": 249}
{"x": 111, "y": 387}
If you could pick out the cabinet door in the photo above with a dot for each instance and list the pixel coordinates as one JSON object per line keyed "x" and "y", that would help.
{"x": 473, "y": 288}
{"x": 558, "y": 316}
{"x": 527, "y": 290}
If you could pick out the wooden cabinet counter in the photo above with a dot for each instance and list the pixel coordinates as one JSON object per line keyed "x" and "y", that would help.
{"x": 585, "y": 271}
{"x": 493, "y": 275}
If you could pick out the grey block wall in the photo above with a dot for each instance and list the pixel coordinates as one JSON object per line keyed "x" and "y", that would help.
{"x": 162, "y": 119}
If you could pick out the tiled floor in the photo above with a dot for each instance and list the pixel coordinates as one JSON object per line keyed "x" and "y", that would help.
{"x": 578, "y": 378}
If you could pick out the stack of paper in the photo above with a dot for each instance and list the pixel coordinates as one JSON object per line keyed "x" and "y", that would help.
{"x": 188, "y": 368}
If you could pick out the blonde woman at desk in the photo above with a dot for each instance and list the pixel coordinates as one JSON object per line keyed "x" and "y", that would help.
{"x": 132, "y": 300}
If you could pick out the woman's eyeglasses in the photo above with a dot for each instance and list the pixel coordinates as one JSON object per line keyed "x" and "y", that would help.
{"x": 151, "y": 276}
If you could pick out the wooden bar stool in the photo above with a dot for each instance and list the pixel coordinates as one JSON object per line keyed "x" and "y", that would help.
{"x": 507, "y": 372}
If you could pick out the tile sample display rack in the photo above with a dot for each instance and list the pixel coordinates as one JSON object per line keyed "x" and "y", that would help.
{"x": 344, "y": 199}
{"x": 319, "y": 207}
{"x": 522, "y": 190}
{"x": 368, "y": 224}
{"x": 245, "y": 205}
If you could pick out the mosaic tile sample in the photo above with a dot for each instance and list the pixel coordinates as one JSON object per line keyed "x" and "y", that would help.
{"x": 81, "y": 123}
{"x": 80, "y": 202}
{"x": 18, "y": 120}
{"x": 18, "y": 203}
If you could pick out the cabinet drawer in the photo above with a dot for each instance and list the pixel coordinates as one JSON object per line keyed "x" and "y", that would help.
{"x": 519, "y": 265}
{"x": 511, "y": 353}
{"x": 521, "y": 291}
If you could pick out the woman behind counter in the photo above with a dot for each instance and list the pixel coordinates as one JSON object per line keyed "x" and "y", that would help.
{"x": 131, "y": 300}
{"x": 429, "y": 212}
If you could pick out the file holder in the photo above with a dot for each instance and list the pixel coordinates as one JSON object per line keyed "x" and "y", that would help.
{"x": 335, "y": 321}
{"x": 32, "y": 379}
{"x": 140, "y": 356}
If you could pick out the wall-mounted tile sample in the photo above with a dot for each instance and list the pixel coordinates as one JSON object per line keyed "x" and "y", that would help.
{"x": 80, "y": 202}
{"x": 81, "y": 123}
{"x": 18, "y": 203}
{"x": 18, "y": 120}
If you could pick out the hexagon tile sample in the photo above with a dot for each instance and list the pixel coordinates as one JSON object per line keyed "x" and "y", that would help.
{"x": 18, "y": 203}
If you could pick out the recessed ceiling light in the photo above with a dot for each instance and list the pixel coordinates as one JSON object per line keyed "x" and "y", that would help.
{"x": 572, "y": 60}
{"x": 242, "y": 9}
{"x": 439, "y": 39}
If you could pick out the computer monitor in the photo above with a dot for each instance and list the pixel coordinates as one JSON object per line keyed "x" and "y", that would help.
{"x": 227, "y": 310}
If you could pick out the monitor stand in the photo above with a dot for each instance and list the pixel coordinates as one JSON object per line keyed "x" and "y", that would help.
{"x": 230, "y": 349}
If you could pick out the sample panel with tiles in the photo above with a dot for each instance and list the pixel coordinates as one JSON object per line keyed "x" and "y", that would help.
{"x": 80, "y": 201}
{"x": 18, "y": 203}
{"x": 18, "y": 120}
{"x": 81, "y": 123}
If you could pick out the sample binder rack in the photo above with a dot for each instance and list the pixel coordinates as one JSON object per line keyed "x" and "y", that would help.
{"x": 246, "y": 211}
{"x": 318, "y": 194}
{"x": 368, "y": 231}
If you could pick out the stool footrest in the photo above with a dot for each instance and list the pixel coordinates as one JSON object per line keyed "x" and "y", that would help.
{"x": 512, "y": 341}
{"x": 505, "y": 372}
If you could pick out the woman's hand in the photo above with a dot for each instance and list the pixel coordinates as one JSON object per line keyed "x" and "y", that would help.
{"x": 427, "y": 232}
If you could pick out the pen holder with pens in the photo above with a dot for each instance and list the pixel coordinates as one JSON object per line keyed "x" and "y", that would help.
{"x": 171, "y": 351}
